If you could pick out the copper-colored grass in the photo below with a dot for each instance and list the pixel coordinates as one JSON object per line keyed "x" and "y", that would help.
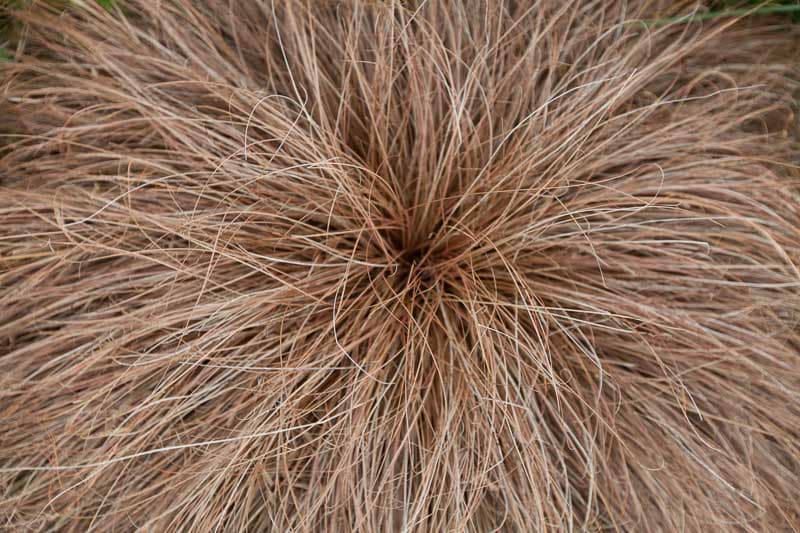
{"x": 377, "y": 266}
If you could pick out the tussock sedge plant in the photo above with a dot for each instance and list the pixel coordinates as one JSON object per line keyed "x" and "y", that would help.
{"x": 375, "y": 266}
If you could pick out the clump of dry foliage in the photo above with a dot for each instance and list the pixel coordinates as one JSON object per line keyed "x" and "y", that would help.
{"x": 398, "y": 266}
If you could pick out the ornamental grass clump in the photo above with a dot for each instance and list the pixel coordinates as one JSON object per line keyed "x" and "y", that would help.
{"x": 355, "y": 265}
